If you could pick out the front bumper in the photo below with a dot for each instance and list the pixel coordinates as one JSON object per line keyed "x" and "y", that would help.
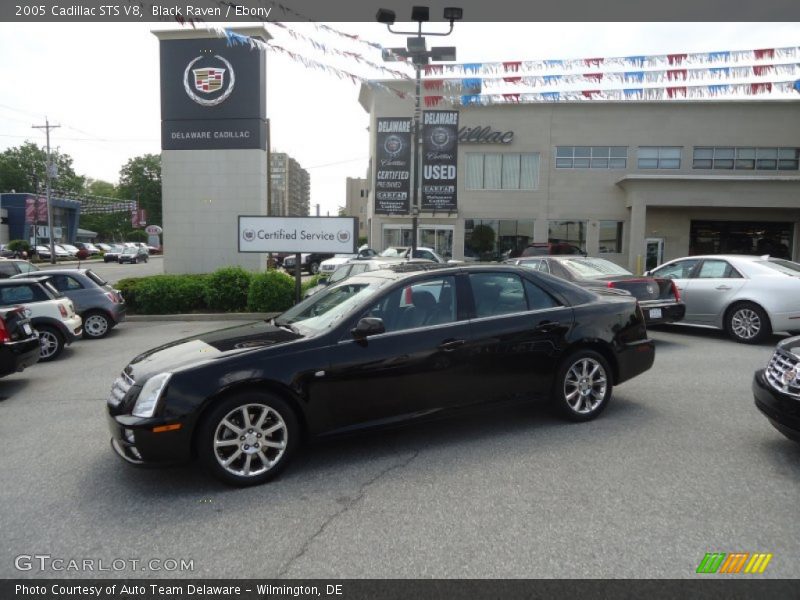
{"x": 148, "y": 448}
{"x": 782, "y": 410}
{"x": 657, "y": 313}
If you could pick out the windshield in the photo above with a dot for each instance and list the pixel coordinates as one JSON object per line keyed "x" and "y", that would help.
{"x": 327, "y": 308}
{"x": 339, "y": 274}
{"x": 782, "y": 266}
{"x": 593, "y": 267}
{"x": 129, "y": 251}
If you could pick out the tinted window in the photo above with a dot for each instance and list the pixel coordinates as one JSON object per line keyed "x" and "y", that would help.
{"x": 7, "y": 269}
{"x": 20, "y": 294}
{"x": 26, "y": 267}
{"x": 717, "y": 269}
{"x": 497, "y": 294}
{"x": 95, "y": 277}
{"x": 538, "y": 298}
{"x": 64, "y": 283}
{"x": 425, "y": 303}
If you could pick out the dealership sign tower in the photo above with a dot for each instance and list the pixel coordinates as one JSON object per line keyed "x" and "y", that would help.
{"x": 213, "y": 146}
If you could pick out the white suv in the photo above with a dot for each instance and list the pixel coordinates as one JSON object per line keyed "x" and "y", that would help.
{"x": 50, "y": 313}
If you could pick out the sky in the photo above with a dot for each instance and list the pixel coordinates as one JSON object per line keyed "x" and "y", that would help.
{"x": 99, "y": 82}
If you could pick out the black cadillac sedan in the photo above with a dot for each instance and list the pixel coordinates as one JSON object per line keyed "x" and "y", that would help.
{"x": 378, "y": 348}
{"x": 777, "y": 388}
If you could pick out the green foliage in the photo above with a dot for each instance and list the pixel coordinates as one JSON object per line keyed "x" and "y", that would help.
{"x": 109, "y": 226}
{"x": 166, "y": 294}
{"x": 140, "y": 179}
{"x": 482, "y": 239}
{"x": 128, "y": 288}
{"x": 272, "y": 291}
{"x": 19, "y": 246}
{"x": 24, "y": 169}
{"x": 136, "y": 235}
{"x": 98, "y": 187}
{"x": 362, "y": 240}
{"x": 227, "y": 289}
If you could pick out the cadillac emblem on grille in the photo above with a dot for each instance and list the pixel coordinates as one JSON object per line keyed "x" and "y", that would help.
{"x": 789, "y": 376}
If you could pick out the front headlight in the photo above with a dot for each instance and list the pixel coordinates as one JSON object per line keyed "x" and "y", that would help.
{"x": 151, "y": 392}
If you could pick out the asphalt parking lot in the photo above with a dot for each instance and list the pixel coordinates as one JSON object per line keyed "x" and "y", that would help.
{"x": 680, "y": 464}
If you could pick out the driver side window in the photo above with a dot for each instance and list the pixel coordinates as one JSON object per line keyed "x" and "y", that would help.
{"x": 422, "y": 304}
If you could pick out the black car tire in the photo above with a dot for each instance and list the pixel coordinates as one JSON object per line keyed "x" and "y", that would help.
{"x": 51, "y": 343}
{"x": 224, "y": 435}
{"x": 96, "y": 325}
{"x": 583, "y": 386}
{"x": 747, "y": 323}
{"x": 314, "y": 268}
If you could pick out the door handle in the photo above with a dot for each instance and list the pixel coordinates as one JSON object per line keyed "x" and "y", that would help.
{"x": 723, "y": 287}
{"x": 451, "y": 345}
{"x": 547, "y": 326}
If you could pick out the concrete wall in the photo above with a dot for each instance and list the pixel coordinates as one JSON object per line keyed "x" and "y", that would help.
{"x": 204, "y": 192}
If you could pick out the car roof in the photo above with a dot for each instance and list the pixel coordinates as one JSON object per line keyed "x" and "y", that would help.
{"x": 742, "y": 257}
{"x": 34, "y": 279}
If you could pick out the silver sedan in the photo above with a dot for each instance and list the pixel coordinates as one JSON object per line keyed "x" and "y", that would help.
{"x": 748, "y": 296}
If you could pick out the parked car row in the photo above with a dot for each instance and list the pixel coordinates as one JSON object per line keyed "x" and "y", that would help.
{"x": 58, "y": 307}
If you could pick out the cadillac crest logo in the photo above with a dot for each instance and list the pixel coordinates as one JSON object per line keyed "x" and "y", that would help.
{"x": 440, "y": 138}
{"x": 249, "y": 235}
{"x": 789, "y": 376}
{"x": 393, "y": 146}
{"x": 209, "y": 80}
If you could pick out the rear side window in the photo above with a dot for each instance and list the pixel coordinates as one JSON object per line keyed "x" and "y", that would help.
{"x": 65, "y": 283}
{"x": 678, "y": 270}
{"x": 497, "y": 294}
{"x": 20, "y": 294}
{"x": 95, "y": 277}
{"x": 538, "y": 299}
{"x": 717, "y": 269}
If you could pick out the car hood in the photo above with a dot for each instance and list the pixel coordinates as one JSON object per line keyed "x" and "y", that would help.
{"x": 791, "y": 345}
{"x": 213, "y": 345}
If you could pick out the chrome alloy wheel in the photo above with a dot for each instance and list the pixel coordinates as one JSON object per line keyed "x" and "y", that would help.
{"x": 585, "y": 385}
{"x": 48, "y": 344}
{"x": 250, "y": 440}
{"x": 95, "y": 325}
{"x": 745, "y": 323}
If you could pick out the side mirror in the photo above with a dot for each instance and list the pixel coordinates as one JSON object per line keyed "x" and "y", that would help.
{"x": 368, "y": 326}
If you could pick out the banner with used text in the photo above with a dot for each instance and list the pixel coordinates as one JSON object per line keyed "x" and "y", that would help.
{"x": 439, "y": 160}
{"x": 393, "y": 166}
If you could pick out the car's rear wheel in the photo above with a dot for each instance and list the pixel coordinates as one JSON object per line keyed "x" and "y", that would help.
{"x": 96, "y": 324}
{"x": 248, "y": 438}
{"x": 583, "y": 386}
{"x": 51, "y": 343}
{"x": 314, "y": 268}
{"x": 747, "y": 323}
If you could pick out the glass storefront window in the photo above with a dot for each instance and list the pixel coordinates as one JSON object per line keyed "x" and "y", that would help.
{"x": 741, "y": 237}
{"x": 493, "y": 239}
{"x": 568, "y": 232}
{"x": 610, "y": 237}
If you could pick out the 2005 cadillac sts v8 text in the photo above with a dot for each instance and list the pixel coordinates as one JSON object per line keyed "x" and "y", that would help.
{"x": 378, "y": 348}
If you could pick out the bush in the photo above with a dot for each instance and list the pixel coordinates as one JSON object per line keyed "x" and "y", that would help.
{"x": 128, "y": 288}
{"x": 165, "y": 294}
{"x": 272, "y": 291}
{"x": 19, "y": 246}
{"x": 227, "y": 289}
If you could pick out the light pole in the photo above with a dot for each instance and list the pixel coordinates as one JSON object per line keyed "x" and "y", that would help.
{"x": 420, "y": 56}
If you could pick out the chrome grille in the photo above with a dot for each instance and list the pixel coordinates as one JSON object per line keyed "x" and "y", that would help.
{"x": 119, "y": 388}
{"x": 781, "y": 363}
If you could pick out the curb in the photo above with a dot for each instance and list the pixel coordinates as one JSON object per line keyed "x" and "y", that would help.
{"x": 204, "y": 317}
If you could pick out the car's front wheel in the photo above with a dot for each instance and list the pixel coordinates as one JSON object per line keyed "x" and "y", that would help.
{"x": 96, "y": 324}
{"x": 583, "y": 385}
{"x": 247, "y": 439}
{"x": 51, "y": 343}
{"x": 747, "y": 323}
{"x": 314, "y": 268}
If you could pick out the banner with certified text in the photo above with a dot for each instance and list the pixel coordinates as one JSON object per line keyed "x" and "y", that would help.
{"x": 393, "y": 166}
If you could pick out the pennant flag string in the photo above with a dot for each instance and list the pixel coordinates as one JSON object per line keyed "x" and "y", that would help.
{"x": 639, "y": 62}
{"x": 615, "y": 77}
{"x": 690, "y": 92}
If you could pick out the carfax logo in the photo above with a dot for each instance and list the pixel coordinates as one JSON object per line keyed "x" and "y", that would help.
{"x": 733, "y": 562}
{"x": 249, "y": 235}
{"x": 209, "y": 79}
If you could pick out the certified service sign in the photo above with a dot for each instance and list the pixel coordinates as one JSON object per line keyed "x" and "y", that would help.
{"x": 298, "y": 234}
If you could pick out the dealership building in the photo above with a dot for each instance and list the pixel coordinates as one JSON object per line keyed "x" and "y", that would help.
{"x": 637, "y": 182}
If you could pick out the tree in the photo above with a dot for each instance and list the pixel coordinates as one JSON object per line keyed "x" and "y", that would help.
{"x": 98, "y": 187}
{"x": 24, "y": 168}
{"x": 482, "y": 239}
{"x": 140, "y": 179}
{"x": 109, "y": 227}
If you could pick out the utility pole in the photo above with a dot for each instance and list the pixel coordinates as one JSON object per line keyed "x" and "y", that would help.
{"x": 50, "y": 174}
